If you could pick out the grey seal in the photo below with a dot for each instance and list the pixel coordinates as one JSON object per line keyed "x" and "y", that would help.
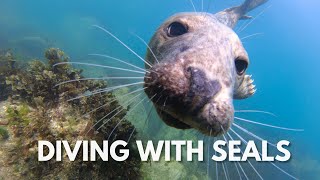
{"x": 198, "y": 67}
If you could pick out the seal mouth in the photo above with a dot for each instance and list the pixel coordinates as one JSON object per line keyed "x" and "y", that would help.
{"x": 170, "y": 119}
{"x": 185, "y": 98}
{"x": 209, "y": 117}
{"x": 206, "y": 120}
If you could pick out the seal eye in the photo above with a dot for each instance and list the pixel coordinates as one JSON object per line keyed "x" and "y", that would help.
{"x": 176, "y": 29}
{"x": 241, "y": 66}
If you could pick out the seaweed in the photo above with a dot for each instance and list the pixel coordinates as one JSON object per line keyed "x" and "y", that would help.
{"x": 7, "y": 67}
{"x": 39, "y": 79}
{"x": 4, "y": 134}
{"x": 40, "y": 110}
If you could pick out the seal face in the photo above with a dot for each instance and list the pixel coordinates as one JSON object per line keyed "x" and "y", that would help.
{"x": 198, "y": 68}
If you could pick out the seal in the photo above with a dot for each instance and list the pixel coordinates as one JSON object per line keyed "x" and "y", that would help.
{"x": 198, "y": 67}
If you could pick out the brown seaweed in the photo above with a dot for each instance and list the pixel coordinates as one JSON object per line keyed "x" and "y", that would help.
{"x": 39, "y": 110}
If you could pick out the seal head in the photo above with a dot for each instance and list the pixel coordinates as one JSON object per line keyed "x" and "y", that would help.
{"x": 199, "y": 66}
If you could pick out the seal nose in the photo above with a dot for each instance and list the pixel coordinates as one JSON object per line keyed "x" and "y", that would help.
{"x": 201, "y": 88}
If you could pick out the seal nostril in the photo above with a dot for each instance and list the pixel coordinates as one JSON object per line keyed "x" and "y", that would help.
{"x": 201, "y": 89}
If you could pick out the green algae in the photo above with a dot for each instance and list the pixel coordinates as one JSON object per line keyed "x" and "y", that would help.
{"x": 17, "y": 116}
{"x": 4, "y": 134}
{"x": 7, "y": 67}
{"x": 37, "y": 109}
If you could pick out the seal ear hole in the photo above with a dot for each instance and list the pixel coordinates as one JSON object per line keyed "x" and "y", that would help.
{"x": 241, "y": 66}
{"x": 176, "y": 29}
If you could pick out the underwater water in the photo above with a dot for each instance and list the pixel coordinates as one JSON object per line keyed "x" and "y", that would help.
{"x": 284, "y": 62}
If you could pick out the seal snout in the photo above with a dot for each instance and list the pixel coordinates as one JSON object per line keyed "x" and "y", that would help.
{"x": 215, "y": 113}
{"x": 167, "y": 79}
{"x": 187, "y": 97}
{"x": 201, "y": 89}
{"x": 187, "y": 86}
{"x": 216, "y": 118}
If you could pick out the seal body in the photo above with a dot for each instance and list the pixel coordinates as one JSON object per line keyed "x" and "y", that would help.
{"x": 198, "y": 68}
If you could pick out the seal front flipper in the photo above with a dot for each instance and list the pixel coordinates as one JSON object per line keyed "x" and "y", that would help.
{"x": 245, "y": 89}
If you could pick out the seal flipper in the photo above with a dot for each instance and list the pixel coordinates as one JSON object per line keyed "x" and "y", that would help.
{"x": 245, "y": 89}
{"x": 231, "y": 16}
{"x": 245, "y": 17}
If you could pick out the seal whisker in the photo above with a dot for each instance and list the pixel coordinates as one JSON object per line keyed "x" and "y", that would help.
{"x": 198, "y": 134}
{"x": 224, "y": 137}
{"x": 252, "y": 20}
{"x": 241, "y": 138}
{"x": 224, "y": 170}
{"x": 244, "y": 173}
{"x": 149, "y": 113}
{"x": 105, "y": 90}
{"x": 252, "y": 134}
{"x": 226, "y": 165}
{"x": 235, "y": 164}
{"x": 207, "y": 10}
{"x": 126, "y": 46}
{"x": 280, "y": 169}
{"x": 119, "y": 107}
{"x": 250, "y": 163}
{"x": 223, "y": 162}
{"x": 241, "y": 168}
{"x": 252, "y": 35}
{"x": 208, "y": 7}
{"x": 191, "y": 131}
{"x": 131, "y": 135}
{"x": 201, "y": 5}
{"x": 164, "y": 104}
{"x": 147, "y": 118}
{"x": 194, "y": 8}
{"x": 117, "y": 59}
{"x": 108, "y": 89}
{"x": 208, "y": 163}
{"x": 239, "y": 26}
{"x": 99, "y": 65}
{"x": 217, "y": 172}
{"x": 112, "y": 88}
{"x": 145, "y": 43}
{"x": 102, "y": 78}
{"x": 268, "y": 125}
{"x": 114, "y": 99}
{"x": 196, "y": 169}
{"x": 135, "y": 106}
{"x": 283, "y": 171}
{"x": 255, "y": 111}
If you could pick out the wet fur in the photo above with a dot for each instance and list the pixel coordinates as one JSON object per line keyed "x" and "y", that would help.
{"x": 196, "y": 71}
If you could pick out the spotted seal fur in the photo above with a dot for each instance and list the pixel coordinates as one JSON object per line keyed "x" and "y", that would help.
{"x": 198, "y": 67}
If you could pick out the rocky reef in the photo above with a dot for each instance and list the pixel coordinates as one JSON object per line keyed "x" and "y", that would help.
{"x": 33, "y": 108}
{"x": 7, "y": 64}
